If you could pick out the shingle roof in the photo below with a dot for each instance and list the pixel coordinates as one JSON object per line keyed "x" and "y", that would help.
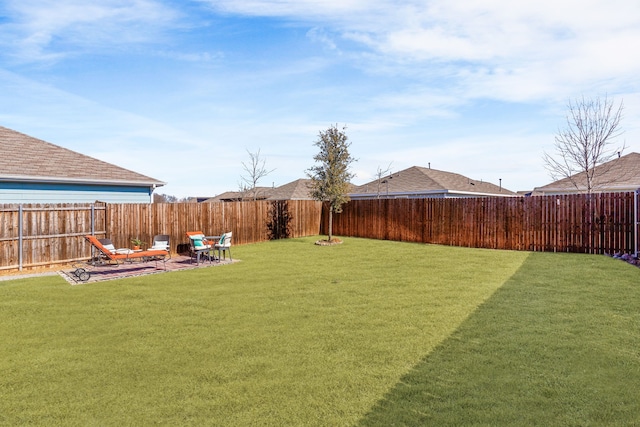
{"x": 295, "y": 190}
{"x": 25, "y": 158}
{"x": 619, "y": 174}
{"x": 226, "y": 196}
{"x": 416, "y": 180}
{"x": 262, "y": 193}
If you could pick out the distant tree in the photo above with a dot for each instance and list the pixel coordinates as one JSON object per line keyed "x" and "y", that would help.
{"x": 164, "y": 198}
{"x": 591, "y": 128}
{"x": 256, "y": 170}
{"x": 330, "y": 179}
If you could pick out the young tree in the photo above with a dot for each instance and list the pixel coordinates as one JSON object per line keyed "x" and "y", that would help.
{"x": 381, "y": 173}
{"x": 592, "y": 126}
{"x": 330, "y": 179}
{"x": 256, "y": 170}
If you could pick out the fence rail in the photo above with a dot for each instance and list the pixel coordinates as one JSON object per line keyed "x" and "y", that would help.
{"x": 37, "y": 235}
{"x": 597, "y": 223}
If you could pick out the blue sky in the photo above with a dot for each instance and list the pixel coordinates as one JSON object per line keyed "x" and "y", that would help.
{"x": 181, "y": 90}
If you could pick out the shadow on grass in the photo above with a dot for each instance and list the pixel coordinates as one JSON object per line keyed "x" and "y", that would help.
{"x": 553, "y": 346}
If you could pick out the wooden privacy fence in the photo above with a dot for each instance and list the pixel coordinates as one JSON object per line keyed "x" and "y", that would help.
{"x": 597, "y": 223}
{"x": 250, "y": 222}
{"x": 38, "y": 235}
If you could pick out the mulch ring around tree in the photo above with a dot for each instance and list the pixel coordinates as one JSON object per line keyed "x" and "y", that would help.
{"x": 99, "y": 273}
{"x": 326, "y": 242}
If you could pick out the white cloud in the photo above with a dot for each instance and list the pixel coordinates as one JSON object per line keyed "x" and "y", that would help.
{"x": 46, "y": 30}
{"x": 204, "y": 57}
{"x": 297, "y": 9}
{"x": 319, "y": 35}
{"x": 500, "y": 48}
{"x": 517, "y": 51}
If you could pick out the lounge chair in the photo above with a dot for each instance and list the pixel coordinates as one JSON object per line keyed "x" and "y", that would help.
{"x": 108, "y": 244}
{"x": 224, "y": 245}
{"x": 199, "y": 246}
{"x": 119, "y": 255}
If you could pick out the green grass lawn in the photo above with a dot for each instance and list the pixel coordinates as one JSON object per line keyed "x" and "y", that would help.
{"x": 365, "y": 333}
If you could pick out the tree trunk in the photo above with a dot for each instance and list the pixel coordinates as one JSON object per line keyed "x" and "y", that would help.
{"x": 330, "y": 222}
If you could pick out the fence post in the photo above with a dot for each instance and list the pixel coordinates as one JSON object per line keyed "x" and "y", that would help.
{"x": 20, "y": 242}
{"x": 93, "y": 226}
{"x": 635, "y": 221}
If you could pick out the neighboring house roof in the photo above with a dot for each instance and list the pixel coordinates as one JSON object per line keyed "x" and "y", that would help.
{"x": 620, "y": 174}
{"x": 417, "y": 181}
{"x": 28, "y": 159}
{"x": 227, "y": 196}
{"x": 198, "y": 199}
{"x": 262, "y": 193}
{"x": 295, "y": 190}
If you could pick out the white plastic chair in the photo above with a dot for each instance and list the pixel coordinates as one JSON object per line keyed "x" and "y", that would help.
{"x": 224, "y": 245}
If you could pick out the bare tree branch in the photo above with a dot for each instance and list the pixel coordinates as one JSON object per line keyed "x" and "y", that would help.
{"x": 256, "y": 170}
{"x": 379, "y": 174}
{"x": 592, "y": 127}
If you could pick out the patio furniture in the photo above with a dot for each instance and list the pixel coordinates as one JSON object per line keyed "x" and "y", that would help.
{"x": 161, "y": 242}
{"x": 118, "y": 256}
{"x": 224, "y": 245}
{"x": 199, "y": 246}
{"x": 108, "y": 244}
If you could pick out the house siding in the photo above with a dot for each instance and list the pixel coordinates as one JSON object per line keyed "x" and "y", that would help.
{"x": 19, "y": 192}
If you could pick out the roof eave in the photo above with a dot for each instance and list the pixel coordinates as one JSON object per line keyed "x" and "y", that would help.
{"x": 481, "y": 193}
{"x": 614, "y": 188}
{"x": 58, "y": 180}
{"x": 428, "y": 192}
